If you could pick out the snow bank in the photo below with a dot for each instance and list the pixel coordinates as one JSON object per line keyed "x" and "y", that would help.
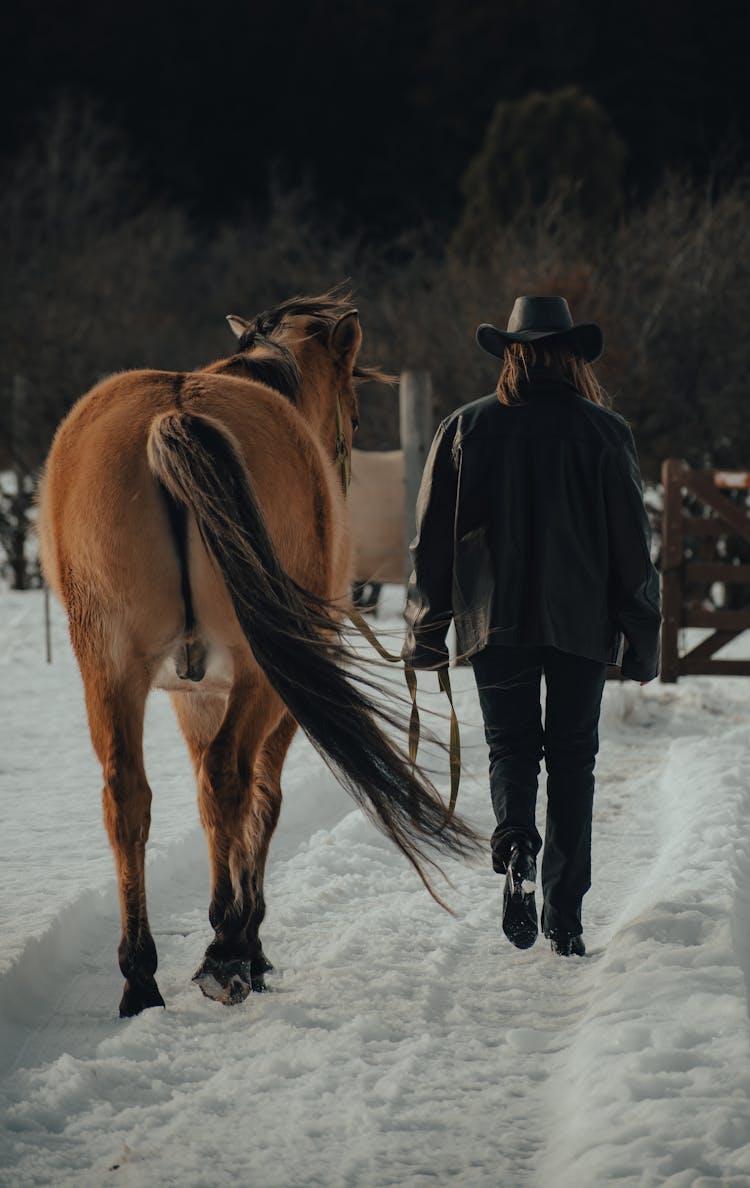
{"x": 659, "y": 1066}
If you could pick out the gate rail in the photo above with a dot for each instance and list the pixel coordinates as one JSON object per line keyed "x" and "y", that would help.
{"x": 678, "y": 573}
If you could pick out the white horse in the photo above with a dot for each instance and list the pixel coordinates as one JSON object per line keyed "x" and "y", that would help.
{"x": 377, "y": 517}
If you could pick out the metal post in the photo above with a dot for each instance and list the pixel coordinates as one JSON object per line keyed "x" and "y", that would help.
{"x": 416, "y": 417}
{"x": 47, "y": 625}
{"x": 671, "y": 565}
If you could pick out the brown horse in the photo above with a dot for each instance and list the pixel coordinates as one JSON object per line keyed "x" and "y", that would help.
{"x": 195, "y": 528}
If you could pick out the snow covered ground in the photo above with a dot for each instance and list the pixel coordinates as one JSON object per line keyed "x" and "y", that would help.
{"x": 399, "y": 1045}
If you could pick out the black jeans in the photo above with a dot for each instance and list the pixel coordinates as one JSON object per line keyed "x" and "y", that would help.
{"x": 508, "y": 680}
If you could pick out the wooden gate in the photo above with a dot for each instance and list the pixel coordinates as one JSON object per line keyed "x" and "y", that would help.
{"x": 720, "y": 518}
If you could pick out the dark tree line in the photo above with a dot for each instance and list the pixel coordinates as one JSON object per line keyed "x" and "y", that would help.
{"x": 95, "y": 279}
{"x": 378, "y": 107}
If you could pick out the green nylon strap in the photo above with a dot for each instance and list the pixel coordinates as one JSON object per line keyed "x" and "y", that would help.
{"x": 365, "y": 629}
{"x": 455, "y": 743}
{"x": 411, "y": 684}
{"x": 341, "y": 455}
{"x": 410, "y": 675}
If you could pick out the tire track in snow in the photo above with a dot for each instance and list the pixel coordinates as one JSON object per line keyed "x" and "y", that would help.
{"x": 655, "y": 1077}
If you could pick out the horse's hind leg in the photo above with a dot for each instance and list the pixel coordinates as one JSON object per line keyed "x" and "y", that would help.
{"x": 115, "y": 705}
{"x": 233, "y": 964}
{"x": 265, "y": 808}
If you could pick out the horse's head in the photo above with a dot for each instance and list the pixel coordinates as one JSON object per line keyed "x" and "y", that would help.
{"x": 321, "y": 336}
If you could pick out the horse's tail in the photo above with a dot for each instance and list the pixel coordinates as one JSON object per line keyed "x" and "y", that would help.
{"x": 295, "y": 639}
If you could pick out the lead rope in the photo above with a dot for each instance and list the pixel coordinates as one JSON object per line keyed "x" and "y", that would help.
{"x": 410, "y": 676}
{"x": 343, "y": 461}
{"x": 341, "y": 452}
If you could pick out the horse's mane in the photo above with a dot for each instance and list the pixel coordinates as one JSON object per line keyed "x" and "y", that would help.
{"x": 324, "y": 312}
{"x": 271, "y": 363}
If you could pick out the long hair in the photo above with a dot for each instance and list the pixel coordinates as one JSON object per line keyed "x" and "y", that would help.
{"x": 521, "y": 357}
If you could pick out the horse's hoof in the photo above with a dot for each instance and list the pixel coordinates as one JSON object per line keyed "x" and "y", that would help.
{"x": 257, "y": 981}
{"x": 228, "y": 982}
{"x": 138, "y": 996}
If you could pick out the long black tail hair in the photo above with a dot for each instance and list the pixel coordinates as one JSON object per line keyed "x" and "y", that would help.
{"x": 297, "y": 641}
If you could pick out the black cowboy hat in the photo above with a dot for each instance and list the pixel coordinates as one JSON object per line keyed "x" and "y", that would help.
{"x": 543, "y": 317}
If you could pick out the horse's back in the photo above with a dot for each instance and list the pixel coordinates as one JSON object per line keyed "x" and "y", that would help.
{"x": 109, "y": 547}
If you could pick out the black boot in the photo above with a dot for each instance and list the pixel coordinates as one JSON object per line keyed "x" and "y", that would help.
{"x": 519, "y": 905}
{"x": 565, "y": 945}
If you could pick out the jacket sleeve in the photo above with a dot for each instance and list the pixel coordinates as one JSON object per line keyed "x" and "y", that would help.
{"x": 633, "y": 580}
{"x": 428, "y": 599}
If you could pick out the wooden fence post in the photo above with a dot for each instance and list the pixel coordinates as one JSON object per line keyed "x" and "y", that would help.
{"x": 671, "y": 564}
{"x": 416, "y": 420}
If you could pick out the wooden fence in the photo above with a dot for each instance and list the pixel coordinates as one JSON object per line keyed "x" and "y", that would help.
{"x": 699, "y": 535}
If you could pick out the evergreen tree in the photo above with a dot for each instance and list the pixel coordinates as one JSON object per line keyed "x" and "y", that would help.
{"x": 560, "y": 143}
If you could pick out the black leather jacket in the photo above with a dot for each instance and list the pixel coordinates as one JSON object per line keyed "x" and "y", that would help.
{"x": 531, "y": 529}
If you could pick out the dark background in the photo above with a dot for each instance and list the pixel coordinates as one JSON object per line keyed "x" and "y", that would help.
{"x": 377, "y": 106}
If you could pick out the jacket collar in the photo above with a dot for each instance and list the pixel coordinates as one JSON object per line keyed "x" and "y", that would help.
{"x": 546, "y": 379}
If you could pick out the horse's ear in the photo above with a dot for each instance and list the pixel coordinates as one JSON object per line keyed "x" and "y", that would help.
{"x": 346, "y": 337}
{"x": 238, "y": 325}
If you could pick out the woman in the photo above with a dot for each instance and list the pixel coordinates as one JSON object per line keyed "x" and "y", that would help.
{"x": 533, "y": 537}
